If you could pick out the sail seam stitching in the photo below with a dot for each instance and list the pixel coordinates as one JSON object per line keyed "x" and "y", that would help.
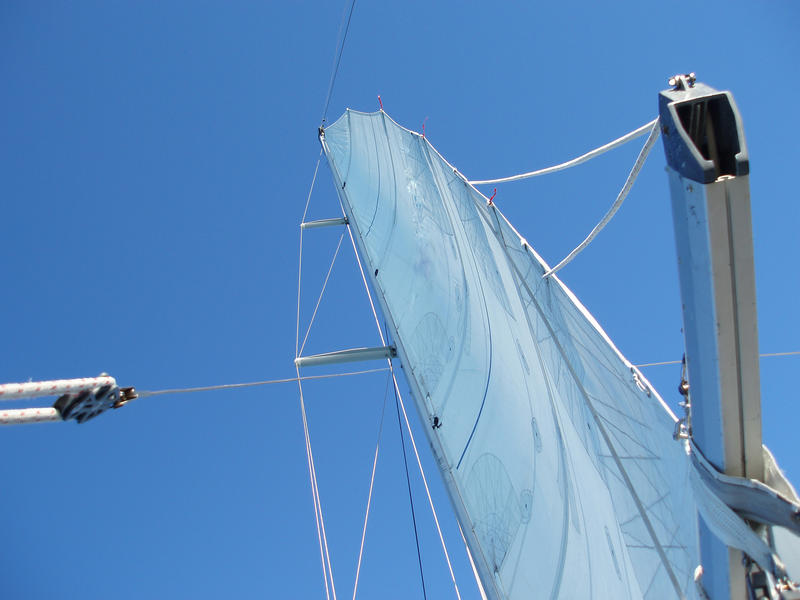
{"x": 447, "y": 470}
{"x": 628, "y": 483}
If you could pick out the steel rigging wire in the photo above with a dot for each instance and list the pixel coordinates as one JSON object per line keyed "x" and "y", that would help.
{"x": 335, "y": 70}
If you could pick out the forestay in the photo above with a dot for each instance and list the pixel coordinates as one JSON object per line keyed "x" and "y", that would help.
{"x": 558, "y": 456}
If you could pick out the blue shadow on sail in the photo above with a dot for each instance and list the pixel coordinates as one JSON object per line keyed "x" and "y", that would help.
{"x": 557, "y": 455}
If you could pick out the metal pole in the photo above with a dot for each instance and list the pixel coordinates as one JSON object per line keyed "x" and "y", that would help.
{"x": 324, "y": 223}
{"x": 343, "y": 356}
{"x": 709, "y": 183}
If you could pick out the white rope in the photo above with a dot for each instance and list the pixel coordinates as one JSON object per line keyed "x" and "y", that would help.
{"x": 648, "y": 145}
{"x": 369, "y": 496}
{"x": 408, "y": 425}
{"x": 319, "y": 300}
{"x": 26, "y": 416}
{"x": 575, "y": 161}
{"x": 57, "y": 387}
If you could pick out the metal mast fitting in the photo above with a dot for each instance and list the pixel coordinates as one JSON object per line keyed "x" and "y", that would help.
{"x": 708, "y": 171}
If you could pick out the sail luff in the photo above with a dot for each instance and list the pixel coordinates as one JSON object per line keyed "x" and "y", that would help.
{"x": 476, "y": 554}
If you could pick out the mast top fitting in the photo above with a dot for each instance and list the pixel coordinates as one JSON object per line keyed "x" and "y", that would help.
{"x": 682, "y": 82}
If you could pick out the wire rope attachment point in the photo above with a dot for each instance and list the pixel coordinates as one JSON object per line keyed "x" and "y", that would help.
{"x": 90, "y": 403}
{"x": 79, "y": 399}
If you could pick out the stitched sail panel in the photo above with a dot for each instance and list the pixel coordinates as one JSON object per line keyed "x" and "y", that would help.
{"x": 565, "y": 472}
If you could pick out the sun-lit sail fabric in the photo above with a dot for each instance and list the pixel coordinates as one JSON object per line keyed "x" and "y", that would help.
{"x": 558, "y": 456}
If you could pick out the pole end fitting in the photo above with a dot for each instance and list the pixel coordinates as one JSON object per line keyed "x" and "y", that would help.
{"x": 682, "y": 82}
{"x": 126, "y": 394}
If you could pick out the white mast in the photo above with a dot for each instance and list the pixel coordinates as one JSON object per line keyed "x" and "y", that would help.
{"x": 709, "y": 181}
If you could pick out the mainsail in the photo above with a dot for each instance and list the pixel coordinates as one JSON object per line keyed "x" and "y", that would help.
{"x": 558, "y": 456}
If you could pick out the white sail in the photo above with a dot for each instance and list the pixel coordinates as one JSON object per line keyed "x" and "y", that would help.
{"x": 558, "y": 456}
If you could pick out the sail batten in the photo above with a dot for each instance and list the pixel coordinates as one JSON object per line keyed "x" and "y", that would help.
{"x": 557, "y": 455}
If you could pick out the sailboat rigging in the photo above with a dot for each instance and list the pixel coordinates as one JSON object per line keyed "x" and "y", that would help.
{"x": 504, "y": 362}
{"x": 531, "y": 409}
{"x": 556, "y": 452}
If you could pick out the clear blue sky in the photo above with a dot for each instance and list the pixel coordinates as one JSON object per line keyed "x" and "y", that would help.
{"x": 154, "y": 164}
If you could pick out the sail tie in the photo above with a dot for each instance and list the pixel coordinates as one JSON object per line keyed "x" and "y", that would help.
{"x": 637, "y": 166}
{"x": 575, "y": 161}
{"x": 726, "y": 525}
